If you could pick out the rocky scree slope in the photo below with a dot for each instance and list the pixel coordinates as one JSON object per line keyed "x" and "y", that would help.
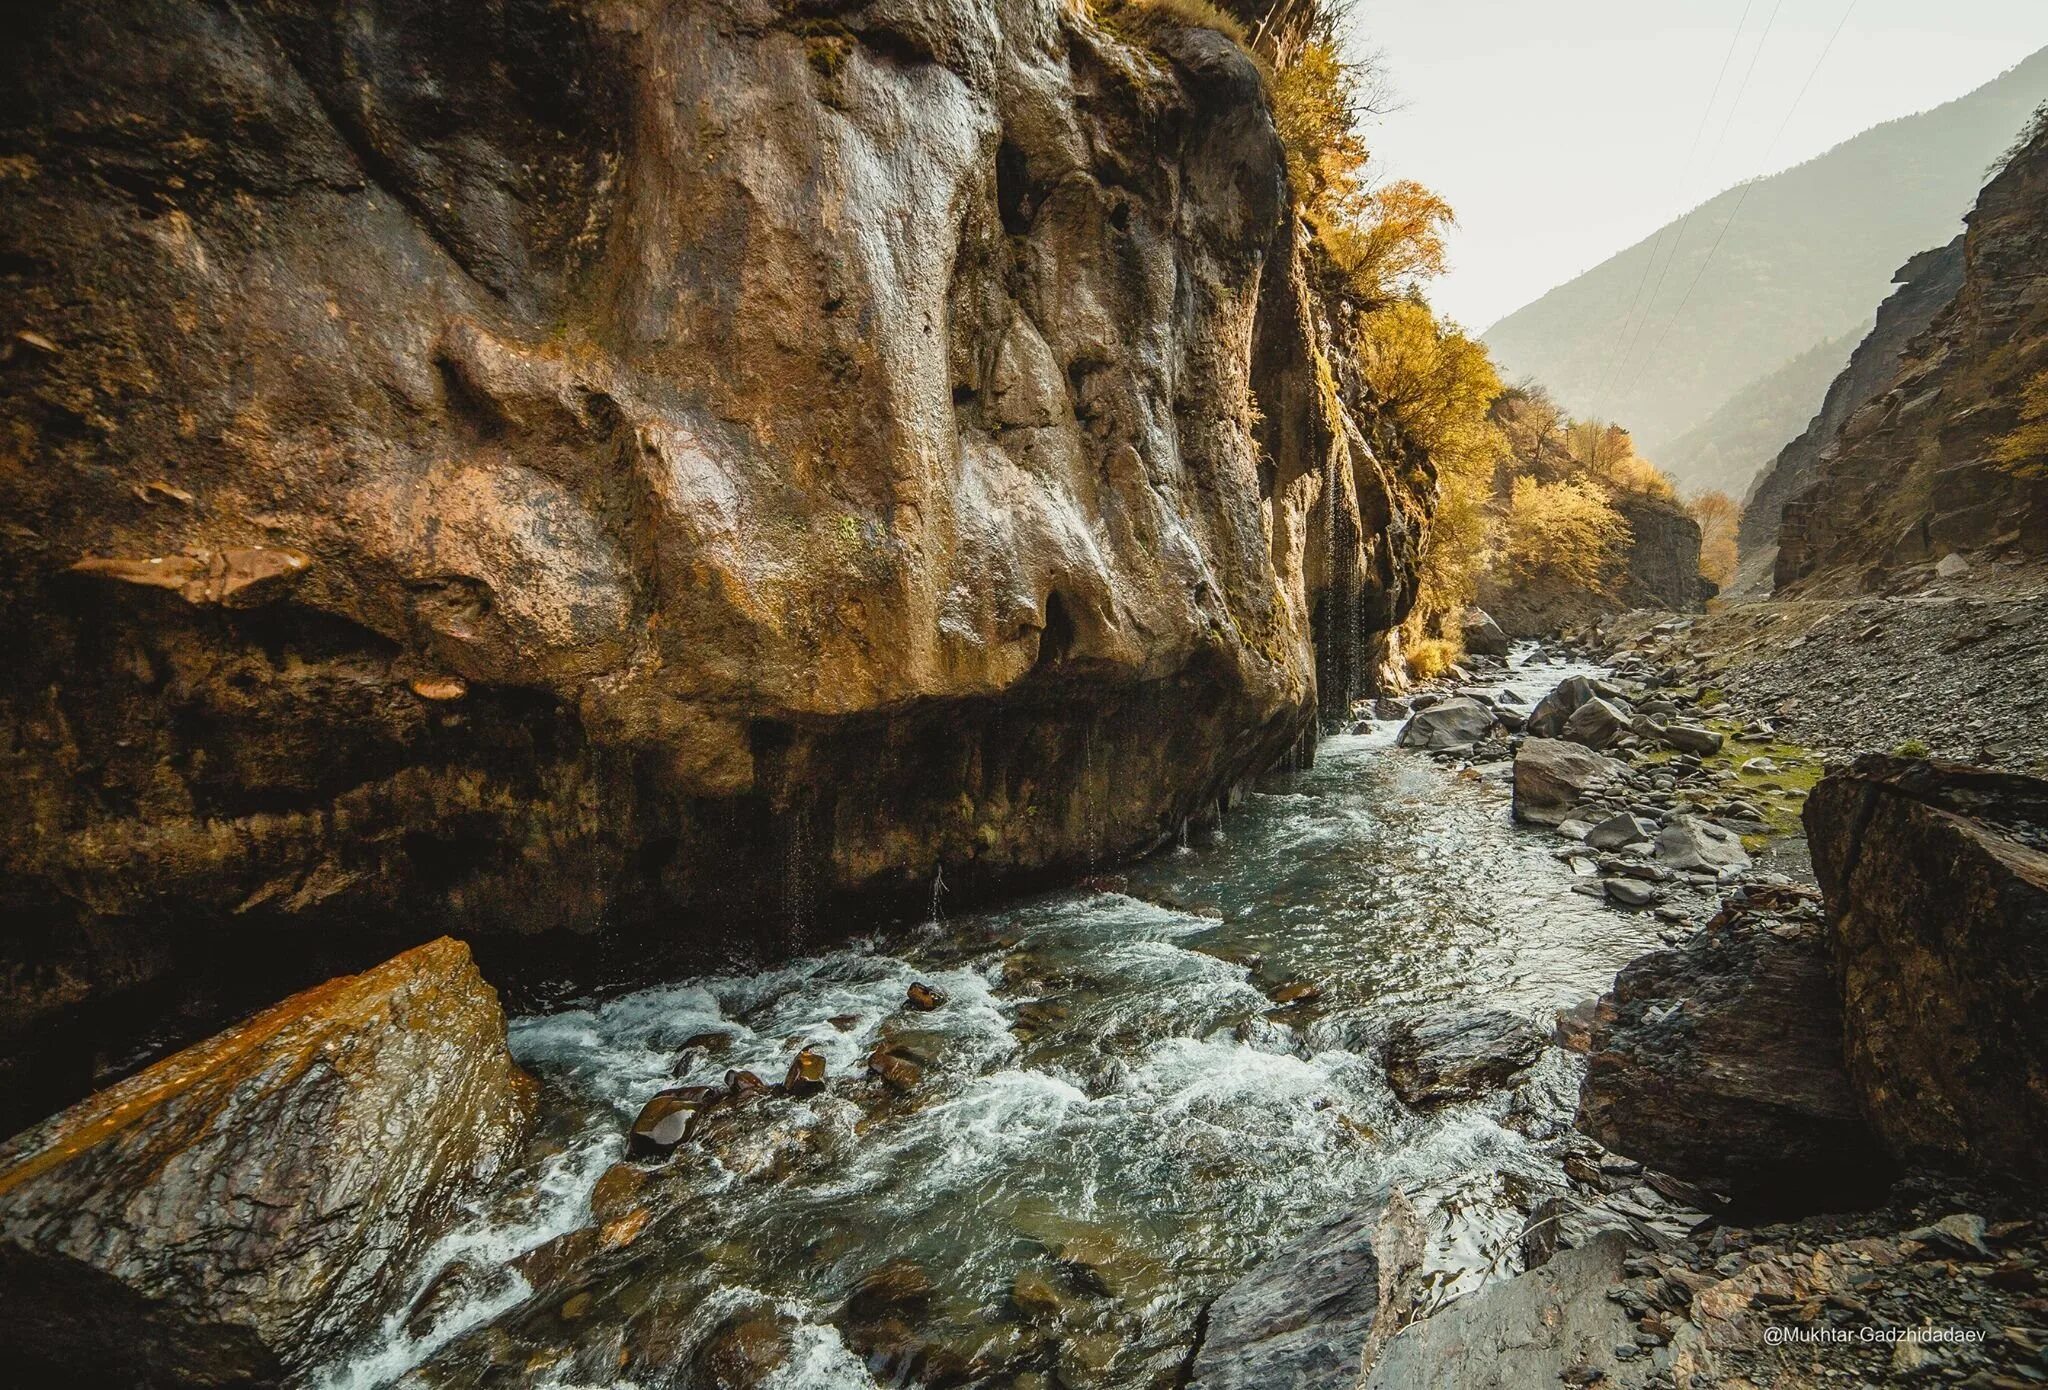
{"x": 1911, "y": 477}
{"x": 570, "y": 476}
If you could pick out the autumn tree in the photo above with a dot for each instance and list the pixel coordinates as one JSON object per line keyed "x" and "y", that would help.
{"x": 1565, "y": 533}
{"x": 2023, "y": 452}
{"x": 1718, "y": 516}
{"x": 1440, "y": 385}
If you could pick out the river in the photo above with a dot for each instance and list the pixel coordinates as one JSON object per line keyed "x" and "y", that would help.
{"x": 1109, "y": 1092}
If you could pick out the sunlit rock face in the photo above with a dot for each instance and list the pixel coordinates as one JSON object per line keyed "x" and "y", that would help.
{"x": 626, "y": 482}
{"x": 1914, "y": 473}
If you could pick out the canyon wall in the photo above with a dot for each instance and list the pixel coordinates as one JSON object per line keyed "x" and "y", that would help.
{"x": 633, "y": 484}
{"x": 1927, "y": 284}
{"x": 1912, "y": 476}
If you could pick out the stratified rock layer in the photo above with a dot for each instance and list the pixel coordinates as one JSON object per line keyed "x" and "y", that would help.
{"x": 1911, "y": 476}
{"x": 238, "y": 1210}
{"x": 622, "y": 483}
{"x": 1936, "y": 879}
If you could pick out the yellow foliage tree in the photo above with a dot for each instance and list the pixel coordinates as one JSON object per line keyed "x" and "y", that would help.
{"x": 1440, "y": 385}
{"x": 1718, "y": 516}
{"x": 2023, "y": 452}
{"x": 1564, "y": 532}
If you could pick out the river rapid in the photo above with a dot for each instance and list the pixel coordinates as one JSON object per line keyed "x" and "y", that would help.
{"x": 1114, "y": 1118}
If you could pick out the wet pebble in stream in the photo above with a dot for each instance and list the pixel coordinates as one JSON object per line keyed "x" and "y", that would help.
{"x": 1033, "y": 1142}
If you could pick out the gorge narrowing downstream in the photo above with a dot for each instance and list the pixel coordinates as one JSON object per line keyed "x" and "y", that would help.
{"x": 1114, "y": 1119}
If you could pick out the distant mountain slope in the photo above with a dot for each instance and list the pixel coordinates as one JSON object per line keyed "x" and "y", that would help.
{"x": 1813, "y": 249}
{"x": 1727, "y": 449}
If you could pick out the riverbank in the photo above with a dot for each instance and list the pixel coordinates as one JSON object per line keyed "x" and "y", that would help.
{"x": 1823, "y": 1257}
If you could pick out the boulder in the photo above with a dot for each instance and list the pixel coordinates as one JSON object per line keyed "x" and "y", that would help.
{"x": 1449, "y": 1059}
{"x": 1483, "y": 636}
{"x": 1629, "y": 892}
{"x": 1596, "y": 723}
{"x": 1720, "y": 1062}
{"x": 1621, "y": 829}
{"x": 1936, "y": 886}
{"x": 1692, "y": 843}
{"x": 1448, "y": 725}
{"x": 1690, "y": 738}
{"x": 236, "y": 1212}
{"x": 1547, "y": 719}
{"x": 1552, "y": 777}
{"x": 1300, "y": 1319}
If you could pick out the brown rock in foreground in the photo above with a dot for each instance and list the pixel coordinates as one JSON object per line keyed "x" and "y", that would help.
{"x": 1936, "y": 878}
{"x": 236, "y": 1211}
{"x": 1720, "y": 1062}
{"x": 554, "y": 471}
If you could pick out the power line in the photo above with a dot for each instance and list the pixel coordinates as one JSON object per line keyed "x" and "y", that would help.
{"x": 1743, "y": 197}
{"x": 1616, "y": 357}
{"x": 1720, "y": 143}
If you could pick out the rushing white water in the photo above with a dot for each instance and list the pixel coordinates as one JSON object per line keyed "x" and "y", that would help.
{"x": 1108, "y": 1068}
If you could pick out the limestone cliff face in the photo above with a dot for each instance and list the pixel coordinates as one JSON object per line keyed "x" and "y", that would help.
{"x": 1910, "y": 478}
{"x": 1927, "y": 285}
{"x": 628, "y": 482}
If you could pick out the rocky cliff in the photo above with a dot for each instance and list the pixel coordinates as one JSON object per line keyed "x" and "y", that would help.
{"x": 626, "y": 482}
{"x": 1910, "y": 477}
{"x": 1927, "y": 284}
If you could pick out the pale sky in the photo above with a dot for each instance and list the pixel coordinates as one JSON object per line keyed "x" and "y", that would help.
{"x": 1559, "y": 129}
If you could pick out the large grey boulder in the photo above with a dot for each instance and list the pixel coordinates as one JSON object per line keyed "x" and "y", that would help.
{"x": 1552, "y": 777}
{"x": 1448, "y": 725}
{"x": 1596, "y": 723}
{"x": 1936, "y": 878}
{"x": 1536, "y": 1330}
{"x": 1692, "y": 843}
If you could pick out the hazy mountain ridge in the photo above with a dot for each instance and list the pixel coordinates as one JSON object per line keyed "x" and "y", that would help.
{"x": 1811, "y": 252}
{"x": 1727, "y": 450}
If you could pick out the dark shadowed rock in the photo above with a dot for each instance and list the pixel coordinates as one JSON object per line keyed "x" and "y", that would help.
{"x": 1547, "y": 719}
{"x": 1441, "y": 1060}
{"x": 1720, "y": 1062}
{"x": 1298, "y": 1321}
{"x": 1552, "y": 777}
{"x": 238, "y": 1210}
{"x": 1936, "y": 880}
{"x": 1453, "y": 724}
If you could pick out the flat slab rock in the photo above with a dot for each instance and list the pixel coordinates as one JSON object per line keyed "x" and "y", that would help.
{"x": 1300, "y": 1320}
{"x": 1531, "y": 1332}
{"x": 233, "y": 1213}
{"x": 1449, "y": 1059}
